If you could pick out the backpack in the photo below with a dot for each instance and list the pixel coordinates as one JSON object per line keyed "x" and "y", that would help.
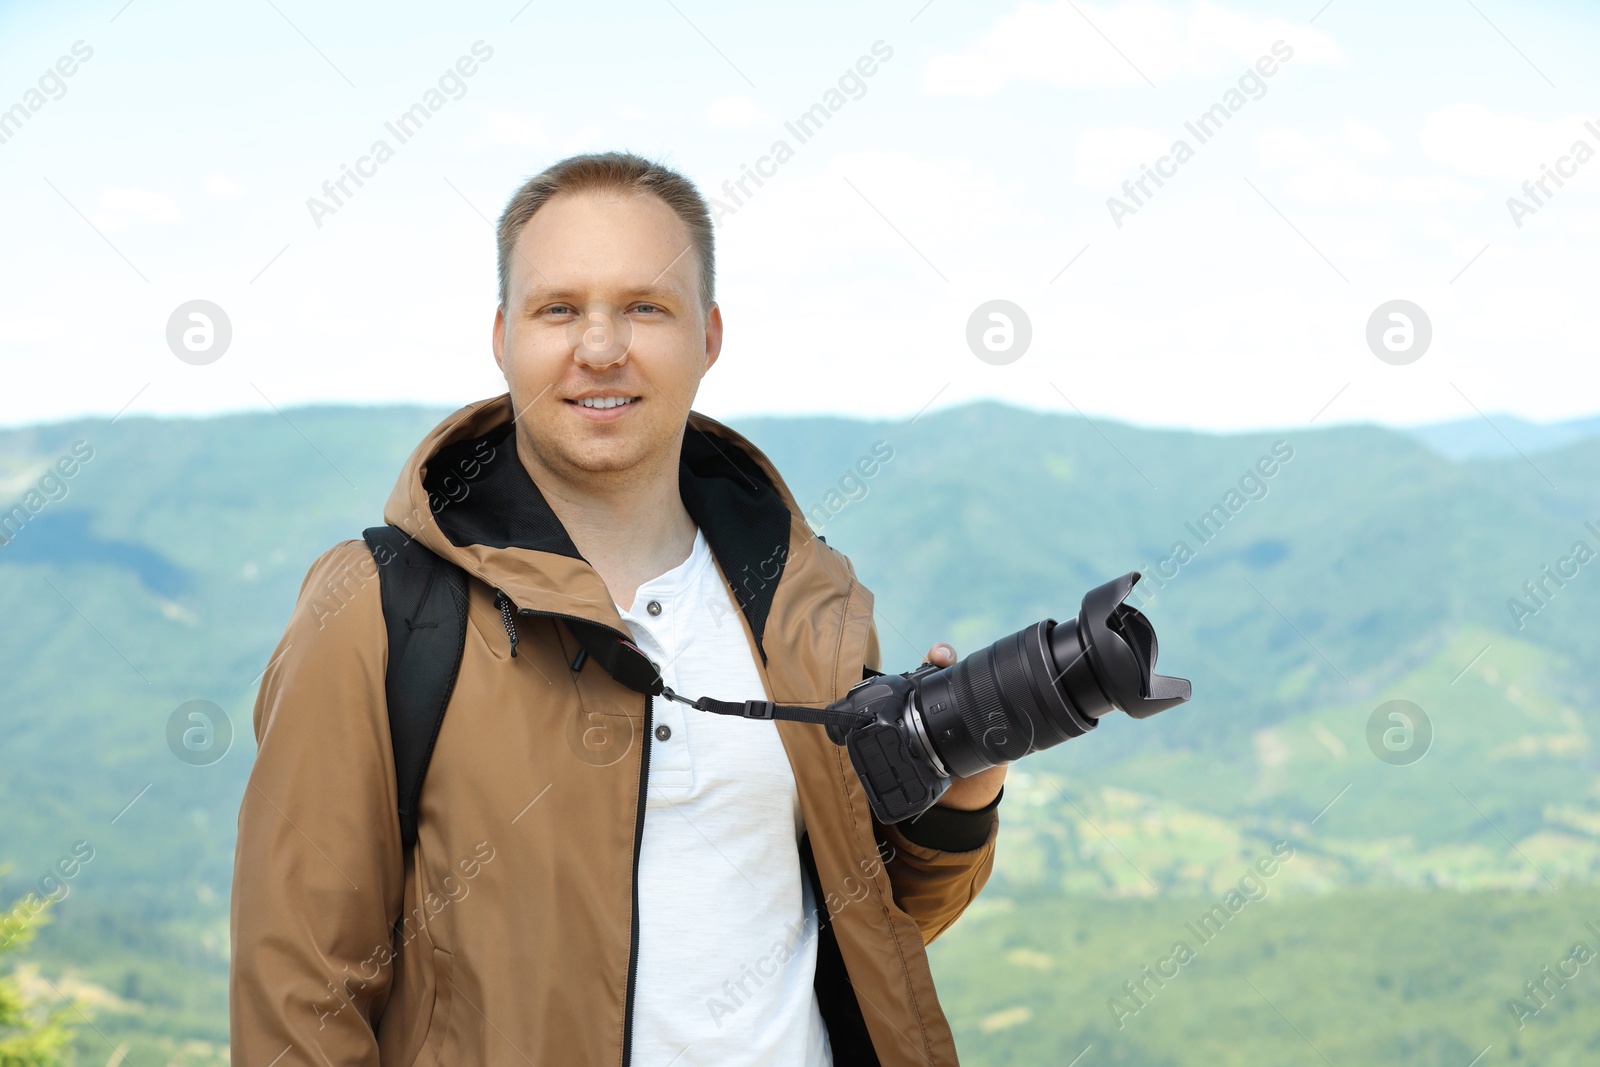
{"x": 425, "y": 613}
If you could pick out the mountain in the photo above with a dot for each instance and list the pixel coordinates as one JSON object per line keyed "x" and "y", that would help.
{"x": 1302, "y": 579}
{"x": 1502, "y": 435}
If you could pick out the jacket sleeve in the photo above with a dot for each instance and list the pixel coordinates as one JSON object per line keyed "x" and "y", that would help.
{"x": 941, "y": 858}
{"x": 318, "y": 869}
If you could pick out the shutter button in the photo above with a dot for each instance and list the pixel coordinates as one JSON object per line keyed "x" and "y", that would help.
{"x": 663, "y": 732}
{"x": 654, "y": 607}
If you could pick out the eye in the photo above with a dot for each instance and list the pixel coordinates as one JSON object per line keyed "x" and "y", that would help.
{"x": 647, "y": 307}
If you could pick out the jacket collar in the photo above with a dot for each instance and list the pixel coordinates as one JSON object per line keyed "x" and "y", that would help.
{"x": 465, "y": 495}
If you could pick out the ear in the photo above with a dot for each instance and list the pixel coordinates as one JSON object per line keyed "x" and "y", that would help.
{"x": 499, "y": 339}
{"x": 713, "y": 334}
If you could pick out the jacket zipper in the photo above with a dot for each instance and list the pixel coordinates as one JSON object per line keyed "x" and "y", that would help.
{"x": 503, "y": 602}
{"x": 508, "y": 610}
{"x": 638, "y": 838}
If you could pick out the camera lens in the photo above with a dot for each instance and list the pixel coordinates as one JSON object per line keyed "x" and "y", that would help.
{"x": 1044, "y": 684}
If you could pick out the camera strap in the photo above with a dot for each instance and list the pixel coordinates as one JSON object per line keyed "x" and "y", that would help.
{"x": 766, "y": 709}
{"x": 624, "y": 661}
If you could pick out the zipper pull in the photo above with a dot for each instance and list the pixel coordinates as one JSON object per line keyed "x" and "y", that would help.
{"x": 503, "y": 602}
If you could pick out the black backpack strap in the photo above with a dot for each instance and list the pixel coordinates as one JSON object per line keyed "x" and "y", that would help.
{"x": 425, "y": 612}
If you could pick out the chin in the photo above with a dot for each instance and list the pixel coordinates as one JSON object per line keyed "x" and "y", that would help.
{"x": 599, "y": 457}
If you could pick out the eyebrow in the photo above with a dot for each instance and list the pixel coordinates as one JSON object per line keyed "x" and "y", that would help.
{"x": 539, "y": 295}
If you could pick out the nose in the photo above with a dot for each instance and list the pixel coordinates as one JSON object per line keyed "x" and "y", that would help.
{"x": 601, "y": 339}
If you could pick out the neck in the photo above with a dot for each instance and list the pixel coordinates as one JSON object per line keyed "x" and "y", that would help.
{"x": 630, "y": 525}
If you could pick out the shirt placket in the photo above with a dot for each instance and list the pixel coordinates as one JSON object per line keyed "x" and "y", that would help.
{"x": 671, "y": 769}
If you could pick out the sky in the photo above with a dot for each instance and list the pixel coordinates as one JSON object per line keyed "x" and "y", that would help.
{"x": 1355, "y": 155}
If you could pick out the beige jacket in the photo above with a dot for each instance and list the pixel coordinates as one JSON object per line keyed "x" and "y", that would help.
{"x": 508, "y": 934}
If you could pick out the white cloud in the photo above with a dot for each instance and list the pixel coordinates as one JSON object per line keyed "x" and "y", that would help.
{"x": 507, "y": 129}
{"x": 735, "y": 111}
{"x": 1069, "y": 43}
{"x": 23, "y": 326}
{"x": 1346, "y": 167}
{"x": 1106, "y": 157}
{"x": 1505, "y": 147}
{"x": 950, "y": 209}
{"x": 121, "y": 208}
{"x": 1432, "y": 190}
{"x": 222, "y": 185}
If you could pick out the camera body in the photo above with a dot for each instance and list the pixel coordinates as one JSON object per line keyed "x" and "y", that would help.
{"x": 1029, "y": 691}
{"x": 902, "y": 774}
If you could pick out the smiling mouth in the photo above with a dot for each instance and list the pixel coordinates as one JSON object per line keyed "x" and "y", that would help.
{"x": 604, "y": 403}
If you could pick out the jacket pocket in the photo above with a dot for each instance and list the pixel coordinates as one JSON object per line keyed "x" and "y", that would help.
{"x": 433, "y": 1043}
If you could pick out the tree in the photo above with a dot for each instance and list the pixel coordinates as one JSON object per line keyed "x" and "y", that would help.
{"x": 30, "y": 1036}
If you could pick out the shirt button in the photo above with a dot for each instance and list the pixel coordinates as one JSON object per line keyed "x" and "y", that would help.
{"x": 663, "y": 732}
{"x": 654, "y": 607}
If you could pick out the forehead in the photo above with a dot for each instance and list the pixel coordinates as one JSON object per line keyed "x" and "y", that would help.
{"x": 604, "y": 240}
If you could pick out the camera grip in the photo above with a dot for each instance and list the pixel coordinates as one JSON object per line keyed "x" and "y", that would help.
{"x": 898, "y": 785}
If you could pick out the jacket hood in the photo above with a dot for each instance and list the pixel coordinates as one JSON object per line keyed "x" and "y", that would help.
{"x": 465, "y": 494}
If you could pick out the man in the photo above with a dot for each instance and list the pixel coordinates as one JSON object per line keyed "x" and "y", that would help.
{"x": 599, "y": 877}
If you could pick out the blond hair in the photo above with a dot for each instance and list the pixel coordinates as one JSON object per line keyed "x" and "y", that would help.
{"x": 609, "y": 172}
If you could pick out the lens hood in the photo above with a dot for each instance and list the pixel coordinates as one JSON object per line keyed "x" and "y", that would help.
{"x": 1121, "y": 648}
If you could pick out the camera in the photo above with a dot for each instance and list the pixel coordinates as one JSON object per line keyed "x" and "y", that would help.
{"x": 1027, "y": 692}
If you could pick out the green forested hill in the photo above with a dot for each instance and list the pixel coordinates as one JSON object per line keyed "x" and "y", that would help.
{"x": 1365, "y": 568}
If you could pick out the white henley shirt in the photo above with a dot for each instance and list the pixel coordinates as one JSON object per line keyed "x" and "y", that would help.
{"x": 726, "y": 951}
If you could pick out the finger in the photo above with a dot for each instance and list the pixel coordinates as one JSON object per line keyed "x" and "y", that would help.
{"x": 942, "y": 654}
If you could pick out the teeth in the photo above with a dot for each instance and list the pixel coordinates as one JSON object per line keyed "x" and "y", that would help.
{"x": 605, "y": 401}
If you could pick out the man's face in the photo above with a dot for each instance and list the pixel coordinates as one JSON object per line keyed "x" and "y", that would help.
{"x": 604, "y": 303}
